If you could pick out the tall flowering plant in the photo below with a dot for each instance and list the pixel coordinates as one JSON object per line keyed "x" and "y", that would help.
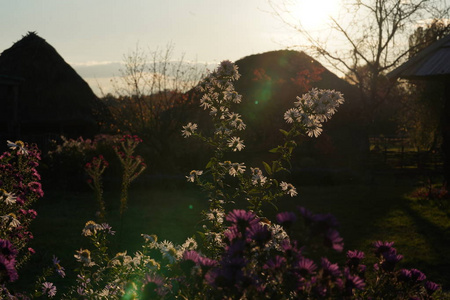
{"x": 132, "y": 165}
{"x": 20, "y": 187}
{"x": 95, "y": 169}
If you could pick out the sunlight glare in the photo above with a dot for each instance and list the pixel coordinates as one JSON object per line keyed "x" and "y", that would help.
{"x": 315, "y": 14}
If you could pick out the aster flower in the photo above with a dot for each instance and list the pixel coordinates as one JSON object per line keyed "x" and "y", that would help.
{"x": 7, "y": 249}
{"x": 288, "y": 188}
{"x": 291, "y": 115}
{"x": 153, "y": 287}
{"x": 257, "y": 177}
{"x": 333, "y": 240}
{"x": 417, "y": 276}
{"x": 19, "y": 146}
{"x": 58, "y": 268}
{"x": 91, "y": 228}
{"x": 194, "y": 175}
{"x": 8, "y": 272}
{"x": 353, "y": 282}
{"x": 241, "y": 218}
{"x": 236, "y": 143}
{"x": 48, "y": 289}
{"x": 8, "y": 198}
{"x": 390, "y": 259}
{"x": 236, "y": 168}
{"x": 306, "y": 266}
{"x": 431, "y": 287}
{"x": 189, "y": 129}
{"x": 275, "y": 263}
{"x": 259, "y": 234}
{"x": 381, "y": 247}
{"x": 10, "y": 220}
{"x": 286, "y": 219}
{"x": 354, "y": 258}
{"x": 330, "y": 269}
{"x": 84, "y": 256}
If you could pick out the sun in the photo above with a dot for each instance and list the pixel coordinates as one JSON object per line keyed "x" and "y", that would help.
{"x": 314, "y": 14}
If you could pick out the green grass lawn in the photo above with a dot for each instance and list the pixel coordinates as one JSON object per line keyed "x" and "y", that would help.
{"x": 377, "y": 211}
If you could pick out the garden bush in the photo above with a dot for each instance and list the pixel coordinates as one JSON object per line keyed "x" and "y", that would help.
{"x": 239, "y": 253}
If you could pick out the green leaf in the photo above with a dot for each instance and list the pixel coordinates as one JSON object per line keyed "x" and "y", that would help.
{"x": 284, "y": 132}
{"x": 267, "y": 167}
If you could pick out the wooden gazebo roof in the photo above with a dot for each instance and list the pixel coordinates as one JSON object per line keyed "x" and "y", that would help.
{"x": 431, "y": 62}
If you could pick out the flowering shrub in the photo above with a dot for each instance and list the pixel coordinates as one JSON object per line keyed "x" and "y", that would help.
{"x": 19, "y": 187}
{"x": 240, "y": 254}
{"x": 67, "y": 159}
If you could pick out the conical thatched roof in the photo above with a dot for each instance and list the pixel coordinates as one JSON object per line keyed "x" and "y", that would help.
{"x": 52, "y": 95}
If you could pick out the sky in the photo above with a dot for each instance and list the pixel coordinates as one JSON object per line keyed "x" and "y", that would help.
{"x": 94, "y": 35}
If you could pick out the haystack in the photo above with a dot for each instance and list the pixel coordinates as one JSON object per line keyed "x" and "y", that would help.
{"x": 41, "y": 94}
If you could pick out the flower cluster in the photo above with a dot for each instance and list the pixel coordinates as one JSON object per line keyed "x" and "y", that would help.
{"x": 314, "y": 108}
{"x": 19, "y": 187}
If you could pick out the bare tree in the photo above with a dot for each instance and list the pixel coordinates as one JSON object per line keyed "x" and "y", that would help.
{"x": 369, "y": 36}
{"x": 150, "y": 94}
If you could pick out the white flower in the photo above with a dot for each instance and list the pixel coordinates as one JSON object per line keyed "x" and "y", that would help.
{"x": 236, "y": 168}
{"x": 215, "y": 215}
{"x": 9, "y": 198}
{"x": 84, "y": 256}
{"x": 91, "y": 228}
{"x": 194, "y": 175}
{"x": 236, "y": 143}
{"x": 288, "y": 188}
{"x": 228, "y": 69}
{"x": 257, "y": 177}
{"x": 10, "y": 220}
{"x": 189, "y": 244}
{"x": 168, "y": 251}
{"x": 291, "y": 115}
{"x": 19, "y": 145}
{"x": 189, "y": 129}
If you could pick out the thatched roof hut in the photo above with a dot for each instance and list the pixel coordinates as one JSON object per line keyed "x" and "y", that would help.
{"x": 41, "y": 94}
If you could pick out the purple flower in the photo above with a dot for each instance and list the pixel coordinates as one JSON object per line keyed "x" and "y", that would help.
{"x": 231, "y": 234}
{"x": 404, "y": 275}
{"x": 275, "y": 263}
{"x": 8, "y": 272}
{"x": 236, "y": 249}
{"x": 352, "y": 282}
{"x": 391, "y": 258}
{"x": 48, "y": 289}
{"x": 58, "y": 269}
{"x": 382, "y": 247}
{"x": 431, "y": 287}
{"x": 206, "y": 262}
{"x": 330, "y": 269}
{"x": 286, "y": 218}
{"x": 306, "y": 266}
{"x": 192, "y": 256}
{"x": 7, "y": 249}
{"x": 259, "y": 233}
{"x": 333, "y": 240}
{"x": 354, "y": 258}
{"x": 241, "y": 218}
{"x": 417, "y": 276}
{"x": 107, "y": 228}
{"x": 307, "y": 215}
{"x": 153, "y": 287}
